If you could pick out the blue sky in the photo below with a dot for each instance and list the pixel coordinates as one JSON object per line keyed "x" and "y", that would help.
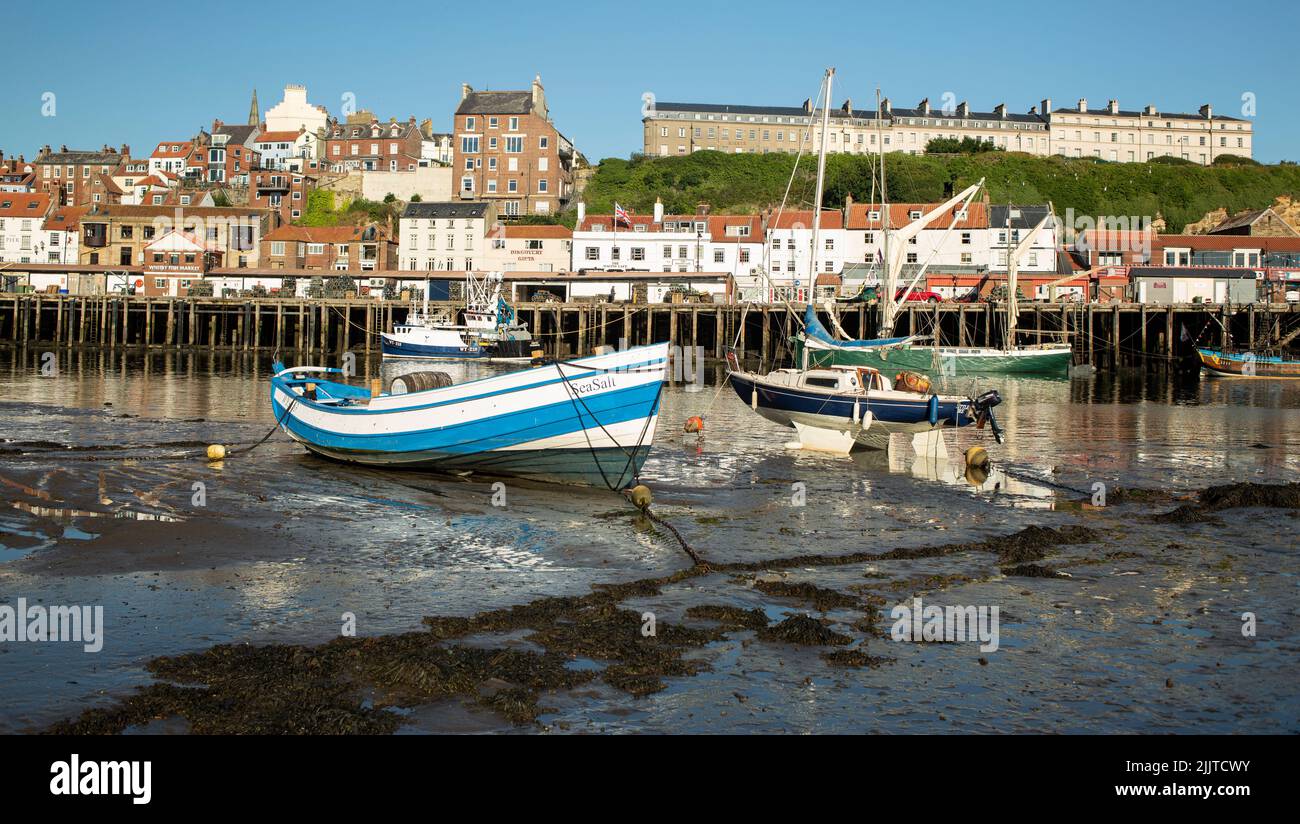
{"x": 138, "y": 73}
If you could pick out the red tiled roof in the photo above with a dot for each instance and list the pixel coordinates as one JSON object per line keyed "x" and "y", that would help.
{"x": 537, "y": 230}
{"x": 165, "y": 149}
{"x": 830, "y": 219}
{"x": 718, "y": 228}
{"x": 1227, "y": 242}
{"x": 24, "y": 204}
{"x": 65, "y": 218}
{"x": 277, "y": 137}
{"x": 860, "y": 216}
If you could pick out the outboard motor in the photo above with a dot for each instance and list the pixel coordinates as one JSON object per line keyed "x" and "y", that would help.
{"x": 983, "y": 406}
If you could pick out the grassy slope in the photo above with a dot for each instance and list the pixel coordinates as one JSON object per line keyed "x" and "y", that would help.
{"x": 1181, "y": 194}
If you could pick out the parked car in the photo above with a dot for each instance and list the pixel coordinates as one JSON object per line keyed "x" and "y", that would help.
{"x": 920, "y": 295}
{"x": 870, "y": 294}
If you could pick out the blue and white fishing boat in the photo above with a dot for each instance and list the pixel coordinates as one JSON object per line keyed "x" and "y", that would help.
{"x": 586, "y": 421}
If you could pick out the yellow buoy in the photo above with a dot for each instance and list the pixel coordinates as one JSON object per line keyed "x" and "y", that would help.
{"x": 640, "y": 496}
{"x": 977, "y": 456}
{"x": 216, "y": 452}
{"x": 977, "y": 465}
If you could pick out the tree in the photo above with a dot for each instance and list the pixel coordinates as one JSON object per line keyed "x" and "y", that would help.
{"x": 966, "y": 145}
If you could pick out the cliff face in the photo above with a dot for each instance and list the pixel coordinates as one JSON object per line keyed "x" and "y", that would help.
{"x": 1205, "y": 224}
{"x": 1288, "y": 208}
{"x": 1284, "y": 206}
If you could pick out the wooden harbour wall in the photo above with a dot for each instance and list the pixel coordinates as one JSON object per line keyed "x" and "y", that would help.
{"x": 1105, "y": 335}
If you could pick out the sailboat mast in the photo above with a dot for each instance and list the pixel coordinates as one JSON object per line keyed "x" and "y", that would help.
{"x": 887, "y": 298}
{"x": 1013, "y": 309}
{"x": 821, "y": 180}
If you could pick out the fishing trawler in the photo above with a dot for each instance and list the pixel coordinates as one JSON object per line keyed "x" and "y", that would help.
{"x": 491, "y": 331}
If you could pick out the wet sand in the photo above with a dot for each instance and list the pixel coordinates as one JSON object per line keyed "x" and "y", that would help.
{"x": 1143, "y": 635}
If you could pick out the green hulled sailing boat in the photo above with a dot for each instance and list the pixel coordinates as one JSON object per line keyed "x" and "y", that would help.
{"x": 815, "y": 346}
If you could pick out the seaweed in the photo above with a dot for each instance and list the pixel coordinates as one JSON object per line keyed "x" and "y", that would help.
{"x": 804, "y": 631}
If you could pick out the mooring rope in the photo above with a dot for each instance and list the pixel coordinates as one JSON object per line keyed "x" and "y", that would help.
{"x": 283, "y": 416}
{"x": 577, "y": 399}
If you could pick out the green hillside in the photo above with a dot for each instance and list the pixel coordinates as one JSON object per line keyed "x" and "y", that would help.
{"x": 1179, "y": 192}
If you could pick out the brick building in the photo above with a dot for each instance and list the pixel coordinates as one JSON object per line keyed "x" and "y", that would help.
{"x": 282, "y": 192}
{"x": 227, "y": 155}
{"x": 330, "y": 248}
{"x": 363, "y": 142}
{"x": 507, "y": 150}
{"x": 67, "y": 175}
{"x": 16, "y": 174}
{"x": 119, "y": 235}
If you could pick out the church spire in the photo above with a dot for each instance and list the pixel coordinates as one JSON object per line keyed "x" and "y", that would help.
{"x": 254, "y": 113}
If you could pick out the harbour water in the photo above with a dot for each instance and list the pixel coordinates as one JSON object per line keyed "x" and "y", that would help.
{"x": 108, "y": 501}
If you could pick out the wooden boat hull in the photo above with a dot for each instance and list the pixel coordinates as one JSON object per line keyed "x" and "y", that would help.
{"x": 1246, "y": 365}
{"x": 591, "y": 421}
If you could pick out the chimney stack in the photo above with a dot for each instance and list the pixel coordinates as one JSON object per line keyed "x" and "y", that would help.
{"x": 702, "y": 208}
{"x": 582, "y": 213}
{"x": 1083, "y": 105}
{"x": 1000, "y": 111}
{"x": 1047, "y": 106}
{"x": 924, "y": 106}
{"x": 885, "y": 108}
{"x": 1150, "y": 109}
{"x": 465, "y": 89}
{"x": 963, "y": 110}
{"x": 1207, "y": 112}
{"x": 659, "y": 211}
{"x": 847, "y": 108}
{"x": 1113, "y": 106}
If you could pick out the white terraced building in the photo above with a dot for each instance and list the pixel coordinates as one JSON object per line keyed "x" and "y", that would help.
{"x": 1110, "y": 133}
{"x": 668, "y": 243}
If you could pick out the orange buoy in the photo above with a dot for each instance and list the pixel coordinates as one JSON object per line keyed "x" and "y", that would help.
{"x": 694, "y": 424}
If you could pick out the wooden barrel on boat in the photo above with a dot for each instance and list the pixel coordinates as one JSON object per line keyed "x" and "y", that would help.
{"x": 418, "y": 382}
{"x": 912, "y": 382}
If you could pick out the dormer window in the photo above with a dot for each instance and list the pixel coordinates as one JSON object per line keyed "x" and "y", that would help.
{"x": 915, "y": 214}
{"x": 874, "y": 214}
